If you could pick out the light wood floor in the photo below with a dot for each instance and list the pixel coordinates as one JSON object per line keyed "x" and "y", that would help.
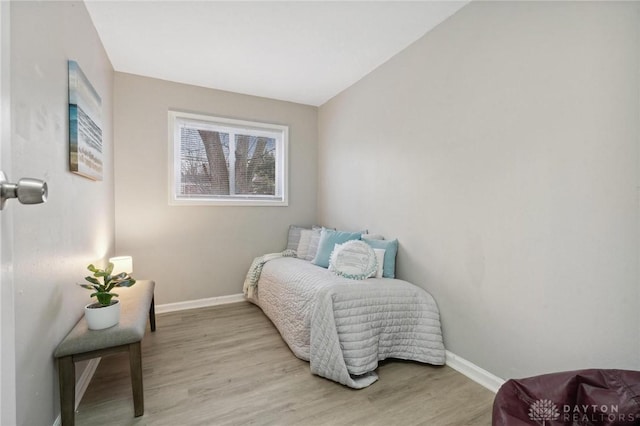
{"x": 227, "y": 365}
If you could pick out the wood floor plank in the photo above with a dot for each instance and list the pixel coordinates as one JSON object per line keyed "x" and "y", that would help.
{"x": 227, "y": 365}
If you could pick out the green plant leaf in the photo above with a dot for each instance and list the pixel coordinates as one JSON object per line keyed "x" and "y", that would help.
{"x": 126, "y": 283}
{"x": 104, "y": 298}
{"x": 109, "y": 269}
{"x": 91, "y": 268}
{"x": 88, "y": 287}
{"x": 92, "y": 280}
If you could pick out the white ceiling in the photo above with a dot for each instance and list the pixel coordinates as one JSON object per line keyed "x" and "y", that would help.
{"x": 299, "y": 51}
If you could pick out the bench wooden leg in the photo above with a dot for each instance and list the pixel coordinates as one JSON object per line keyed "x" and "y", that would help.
{"x": 67, "y": 382}
{"x": 135, "y": 363}
{"x": 152, "y": 314}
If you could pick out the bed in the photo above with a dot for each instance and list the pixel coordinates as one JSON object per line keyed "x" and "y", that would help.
{"x": 343, "y": 327}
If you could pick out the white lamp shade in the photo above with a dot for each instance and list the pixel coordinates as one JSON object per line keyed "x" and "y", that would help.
{"x": 122, "y": 264}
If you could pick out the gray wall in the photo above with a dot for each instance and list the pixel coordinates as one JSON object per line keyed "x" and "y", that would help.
{"x": 53, "y": 242}
{"x": 195, "y": 252}
{"x": 502, "y": 150}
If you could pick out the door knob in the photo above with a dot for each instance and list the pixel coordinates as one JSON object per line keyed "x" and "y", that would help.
{"x": 27, "y": 190}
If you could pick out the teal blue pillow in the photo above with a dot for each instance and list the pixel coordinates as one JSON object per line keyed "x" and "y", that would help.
{"x": 328, "y": 239}
{"x": 391, "y": 249}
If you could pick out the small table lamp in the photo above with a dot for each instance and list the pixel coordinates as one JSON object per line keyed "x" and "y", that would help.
{"x": 121, "y": 264}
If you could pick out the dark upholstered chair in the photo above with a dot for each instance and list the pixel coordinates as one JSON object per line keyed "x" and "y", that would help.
{"x": 583, "y": 397}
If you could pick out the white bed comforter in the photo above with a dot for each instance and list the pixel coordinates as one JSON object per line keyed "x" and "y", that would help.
{"x": 344, "y": 327}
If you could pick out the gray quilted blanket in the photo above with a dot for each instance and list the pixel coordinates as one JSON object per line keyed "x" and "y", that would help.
{"x": 255, "y": 270}
{"x": 344, "y": 327}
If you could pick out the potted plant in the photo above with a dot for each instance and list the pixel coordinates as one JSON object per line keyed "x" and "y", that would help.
{"x": 105, "y": 312}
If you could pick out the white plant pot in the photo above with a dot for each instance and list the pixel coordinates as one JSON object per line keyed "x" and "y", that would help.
{"x": 99, "y": 318}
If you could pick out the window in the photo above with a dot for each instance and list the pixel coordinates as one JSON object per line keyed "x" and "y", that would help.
{"x": 226, "y": 162}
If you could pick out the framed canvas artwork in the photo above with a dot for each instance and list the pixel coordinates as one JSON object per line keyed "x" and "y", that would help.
{"x": 85, "y": 125}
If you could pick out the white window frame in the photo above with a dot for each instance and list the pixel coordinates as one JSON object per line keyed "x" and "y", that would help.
{"x": 176, "y": 118}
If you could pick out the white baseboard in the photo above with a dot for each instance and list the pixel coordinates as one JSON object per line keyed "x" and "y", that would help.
{"x": 82, "y": 384}
{"x": 199, "y": 303}
{"x": 475, "y": 373}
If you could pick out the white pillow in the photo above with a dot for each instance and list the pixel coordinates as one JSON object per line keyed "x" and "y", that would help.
{"x": 380, "y": 259}
{"x": 371, "y": 237}
{"x": 313, "y": 244}
{"x": 303, "y": 245}
{"x": 354, "y": 259}
{"x": 293, "y": 237}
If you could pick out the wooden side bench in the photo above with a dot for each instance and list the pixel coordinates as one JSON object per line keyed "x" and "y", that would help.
{"x": 82, "y": 344}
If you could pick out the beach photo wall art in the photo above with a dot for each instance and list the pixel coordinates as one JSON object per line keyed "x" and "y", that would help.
{"x": 85, "y": 125}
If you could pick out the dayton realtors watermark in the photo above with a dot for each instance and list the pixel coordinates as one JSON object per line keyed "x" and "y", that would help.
{"x": 544, "y": 410}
